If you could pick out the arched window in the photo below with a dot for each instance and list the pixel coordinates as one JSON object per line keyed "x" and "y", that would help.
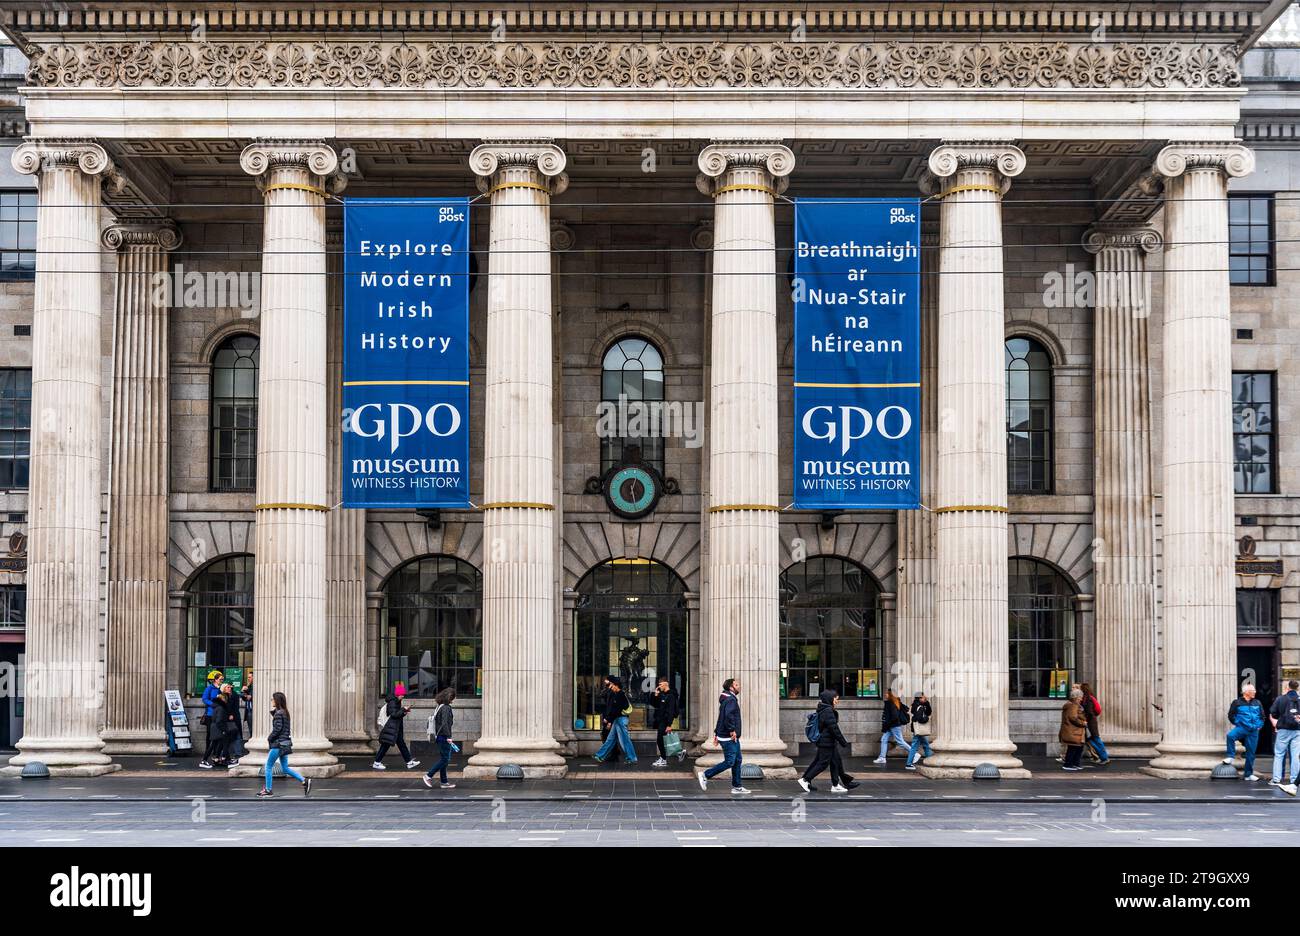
{"x": 630, "y": 620}
{"x": 432, "y": 634}
{"x": 631, "y": 391}
{"x": 1041, "y": 604}
{"x": 234, "y": 415}
{"x": 830, "y": 629}
{"x": 219, "y": 623}
{"x": 1029, "y": 417}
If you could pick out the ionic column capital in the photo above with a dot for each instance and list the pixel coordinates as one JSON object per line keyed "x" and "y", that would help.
{"x": 161, "y": 234}
{"x": 948, "y": 161}
{"x": 772, "y": 161}
{"x": 34, "y": 157}
{"x": 543, "y": 160}
{"x": 1115, "y": 237}
{"x": 312, "y": 157}
{"x": 1232, "y": 159}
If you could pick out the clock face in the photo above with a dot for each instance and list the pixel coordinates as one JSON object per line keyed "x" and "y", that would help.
{"x": 632, "y": 491}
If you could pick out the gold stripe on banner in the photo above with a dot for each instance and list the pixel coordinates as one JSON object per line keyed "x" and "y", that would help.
{"x": 291, "y": 507}
{"x": 725, "y": 507}
{"x": 965, "y": 508}
{"x": 507, "y": 505}
{"x": 877, "y": 386}
{"x": 294, "y": 187}
{"x": 406, "y": 383}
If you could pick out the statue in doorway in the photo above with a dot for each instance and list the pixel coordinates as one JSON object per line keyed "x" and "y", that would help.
{"x": 631, "y": 665}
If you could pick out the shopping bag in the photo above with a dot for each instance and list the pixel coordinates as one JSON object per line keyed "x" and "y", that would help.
{"x": 672, "y": 743}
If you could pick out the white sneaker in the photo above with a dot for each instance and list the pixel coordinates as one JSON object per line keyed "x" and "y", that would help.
{"x": 660, "y": 762}
{"x": 412, "y": 764}
{"x": 1252, "y": 778}
{"x": 704, "y": 782}
{"x": 805, "y": 785}
{"x": 741, "y": 791}
{"x": 1274, "y": 782}
{"x": 1227, "y": 760}
{"x": 377, "y": 766}
{"x": 1289, "y": 789}
{"x": 839, "y": 789}
{"x": 878, "y": 760}
{"x": 909, "y": 766}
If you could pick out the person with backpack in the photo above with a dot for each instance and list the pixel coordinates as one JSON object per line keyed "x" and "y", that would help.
{"x": 440, "y": 730}
{"x": 823, "y": 730}
{"x": 211, "y": 692}
{"x": 922, "y": 712}
{"x": 1246, "y": 715}
{"x": 280, "y": 743}
{"x": 727, "y": 731}
{"x": 893, "y": 716}
{"x": 1285, "y": 716}
{"x": 617, "y": 709}
{"x": 1092, "y": 711}
{"x": 666, "y": 709}
{"x": 392, "y": 731}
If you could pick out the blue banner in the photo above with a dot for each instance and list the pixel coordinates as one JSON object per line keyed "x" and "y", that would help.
{"x": 406, "y": 352}
{"x": 857, "y": 357}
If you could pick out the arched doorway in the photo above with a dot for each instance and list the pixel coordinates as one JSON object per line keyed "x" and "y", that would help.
{"x": 219, "y": 623}
{"x": 1041, "y": 606}
{"x": 432, "y": 628}
{"x": 830, "y": 630}
{"x": 630, "y": 620}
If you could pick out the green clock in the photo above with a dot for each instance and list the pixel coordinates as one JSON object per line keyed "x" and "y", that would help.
{"x": 632, "y": 491}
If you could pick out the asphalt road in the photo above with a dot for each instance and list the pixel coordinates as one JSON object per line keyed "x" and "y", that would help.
{"x": 777, "y": 820}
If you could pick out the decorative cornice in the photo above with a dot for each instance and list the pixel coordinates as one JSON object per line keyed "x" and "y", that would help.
{"x": 1118, "y": 237}
{"x": 632, "y": 64}
{"x": 1230, "y": 158}
{"x": 263, "y": 156}
{"x": 164, "y": 235}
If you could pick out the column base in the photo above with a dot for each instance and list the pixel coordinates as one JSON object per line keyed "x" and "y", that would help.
{"x": 960, "y": 763}
{"x": 539, "y": 760}
{"x": 1144, "y": 747}
{"x": 349, "y": 743}
{"x": 1184, "y": 761}
{"x": 136, "y": 742}
{"x": 63, "y": 757}
{"x": 310, "y": 760}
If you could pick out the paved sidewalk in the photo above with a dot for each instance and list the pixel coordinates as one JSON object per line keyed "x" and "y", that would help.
{"x": 162, "y": 779}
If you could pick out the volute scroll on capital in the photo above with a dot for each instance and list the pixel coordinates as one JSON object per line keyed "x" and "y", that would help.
{"x": 163, "y": 234}
{"x": 1104, "y": 237}
{"x": 33, "y": 157}
{"x": 1232, "y": 159}
{"x": 774, "y": 159}
{"x": 948, "y": 159}
{"x": 542, "y": 157}
{"x": 261, "y": 157}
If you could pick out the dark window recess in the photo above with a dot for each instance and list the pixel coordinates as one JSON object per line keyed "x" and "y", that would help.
{"x": 18, "y": 518}
{"x": 1245, "y": 334}
{"x": 15, "y": 427}
{"x": 1251, "y": 259}
{"x": 1254, "y": 432}
{"x": 1258, "y": 610}
{"x": 17, "y": 235}
{"x": 632, "y": 379}
{"x": 1248, "y": 521}
{"x": 1029, "y": 417}
{"x": 22, "y": 331}
{"x": 233, "y": 436}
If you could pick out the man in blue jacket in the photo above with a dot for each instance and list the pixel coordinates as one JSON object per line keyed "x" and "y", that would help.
{"x": 211, "y": 693}
{"x": 727, "y": 731}
{"x": 1247, "y": 716}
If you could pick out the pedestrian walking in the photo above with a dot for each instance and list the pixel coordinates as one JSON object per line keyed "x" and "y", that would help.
{"x": 280, "y": 742}
{"x": 392, "y": 730}
{"x": 1246, "y": 715}
{"x": 922, "y": 727}
{"x": 666, "y": 709}
{"x": 227, "y": 709}
{"x": 440, "y": 729}
{"x": 247, "y": 695}
{"x": 727, "y": 731}
{"x": 829, "y": 740}
{"x": 211, "y": 692}
{"x": 1074, "y": 726}
{"x": 1285, "y": 717}
{"x": 1092, "y": 711}
{"x": 605, "y": 727}
{"x": 893, "y": 716}
{"x": 617, "y": 709}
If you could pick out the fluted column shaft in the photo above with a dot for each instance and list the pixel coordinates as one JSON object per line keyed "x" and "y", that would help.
{"x": 1124, "y": 560}
{"x": 519, "y": 621}
{"x": 346, "y": 696}
{"x": 970, "y": 521}
{"x": 742, "y": 639}
{"x": 915, "y": 614}
{"x": 290, "y": 626}
{"x": 136, "y": 640}
{"x": 1200, "y": 633}
{"x": 64, "y": 682}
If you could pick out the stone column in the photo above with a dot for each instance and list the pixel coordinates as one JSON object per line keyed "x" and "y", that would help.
{"x": 970, "y": 523}
{"x": 1200, "y": 630}
{"x": 1124, "y": 553}
{"x": 345, "y": 550}
{"x": 742, "y": 633}
{"x": 136, "y": 640}
{"x": 916, "y": 527}
{"x": 292, "y": 631}
{"x": 519, "y": 571}
{"x": 64, "y": 681}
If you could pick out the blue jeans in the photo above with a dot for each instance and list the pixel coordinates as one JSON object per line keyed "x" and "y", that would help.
{"x": 1249, "y": 740}
{"x": 919, "y": 741}
{"x": 1099, "y": 746}
{"x": 730, "y": 759}
{"x": 896, "y": 733}
{"x": 271, "y": 757}
{"x": 618, "y": 735}
{"x": 444, "y": 748}
{"x": 1286, "y": 742}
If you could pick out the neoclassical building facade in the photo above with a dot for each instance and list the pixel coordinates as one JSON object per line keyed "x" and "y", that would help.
{"x": 1106, "y": 493}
